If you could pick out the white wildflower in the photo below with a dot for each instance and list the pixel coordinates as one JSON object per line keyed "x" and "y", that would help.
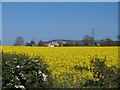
{"x": 17, "y": 78}
{"x": 15, "y": 58}
{"x": 44, "y": 77}
{"x": 20, "y": 86}
{"x": 39, "y": 72}
{"x": 9, "y": 84}
{"x": 18, "y": 66}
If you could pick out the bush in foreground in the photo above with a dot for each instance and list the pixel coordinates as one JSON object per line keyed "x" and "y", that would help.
{"x": 104, "y": 76}
{"x": 19, "y": 71}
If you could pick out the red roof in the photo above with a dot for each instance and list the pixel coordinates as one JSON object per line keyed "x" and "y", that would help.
{"x": 53, "y": 43}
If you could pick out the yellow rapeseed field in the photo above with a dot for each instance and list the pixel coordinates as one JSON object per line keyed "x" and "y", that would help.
{"x": 62, "y": 60}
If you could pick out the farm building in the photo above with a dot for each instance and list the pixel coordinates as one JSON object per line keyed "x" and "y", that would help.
{"x": 51, "y": 44}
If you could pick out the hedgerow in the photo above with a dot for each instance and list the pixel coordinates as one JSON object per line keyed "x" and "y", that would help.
{"x": 20, "y": 71}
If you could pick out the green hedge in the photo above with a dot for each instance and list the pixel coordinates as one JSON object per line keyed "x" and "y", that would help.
{"x": 104, "y": 76}
{"x": 19, "y": 71}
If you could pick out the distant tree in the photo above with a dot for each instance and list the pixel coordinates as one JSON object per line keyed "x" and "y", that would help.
{"x": 19, "y": 41}
{"x": 27, "y": 44}
{"x": 109, "y": 42}
{"x": 40, "y": 43}
{"x": 32, "y": 43}
{"x": 88, "y": 40}
{"x": 118, "y": 37}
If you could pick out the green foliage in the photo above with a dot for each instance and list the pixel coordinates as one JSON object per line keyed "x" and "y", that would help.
{"x": 32, "y": 43}
{"x": 19, "y": 71}
{"x": 104, "y": 76}
{"x": 40, "y": 43}
{"x": 27, "y": 44}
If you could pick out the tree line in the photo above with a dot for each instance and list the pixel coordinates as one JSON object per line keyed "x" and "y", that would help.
{"x": 86, "y": 41}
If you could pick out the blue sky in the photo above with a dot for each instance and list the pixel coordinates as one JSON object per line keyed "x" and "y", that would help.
{"x": 47, "y": 21}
